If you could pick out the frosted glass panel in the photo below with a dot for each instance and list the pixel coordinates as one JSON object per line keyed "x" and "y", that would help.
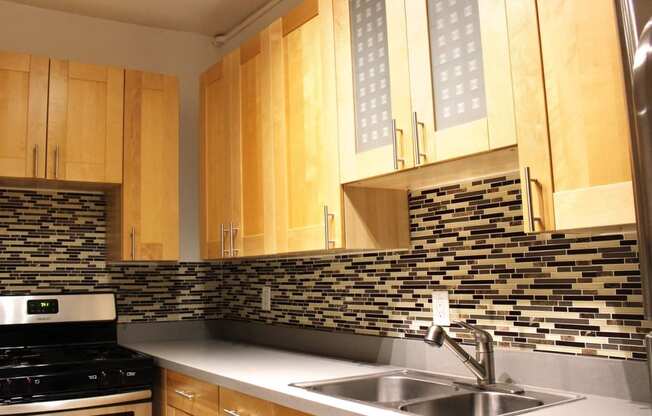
{"x": 373, "y": 111}
{"x": 457, "y": 68}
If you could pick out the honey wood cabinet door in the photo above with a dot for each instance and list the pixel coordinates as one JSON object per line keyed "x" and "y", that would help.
{"x": 373, "y": 88}
{"x": 220, "y": 186}
{"x": 148, "y": 204}
{"x": 309, "y": 215}
{"x": 572, "y": 114}
{"x": 85, "y": 122}
{"x": 23, "y": 114}
{"x": 460, "y": 78}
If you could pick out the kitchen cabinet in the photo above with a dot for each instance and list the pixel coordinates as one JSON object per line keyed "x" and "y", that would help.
{"x": 571, "y": 112}
{"x": 373, "y": 83}
{"x": 144, "y": 212}
{"x": 23, "y": 114}
{"x": 309, "y": 213}
{"x": 185, "y": 395}
{"x": 219, "y": 156}
{"x": 270, "y": 179}
{"x": 85, "y": 122}
{"x": 438, "y": 68}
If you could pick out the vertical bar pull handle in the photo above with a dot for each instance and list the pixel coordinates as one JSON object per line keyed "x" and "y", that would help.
{"x": 527, "y": 182}
{"x": 225, "y": 252}
{"x": 221, "y": 240}
{"x": 35, "y": 158}
{"x": 133, "y": 243}
{"x": 327, "y": 228}
{"x": 417, "y": 141}
{"x": 233, "y": 231}
{"x": 56, "y": 162}
{"x": 395, "y": 144}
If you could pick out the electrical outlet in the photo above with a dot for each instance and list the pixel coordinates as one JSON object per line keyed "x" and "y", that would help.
{"x": 440, "y": 310}
{"x": 266, "y": 299}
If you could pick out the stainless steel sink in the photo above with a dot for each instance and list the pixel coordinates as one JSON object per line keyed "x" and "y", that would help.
{"x": 426, "y": 394}
{"x": 483, "y": 403}
{"x": 389, "y": 389}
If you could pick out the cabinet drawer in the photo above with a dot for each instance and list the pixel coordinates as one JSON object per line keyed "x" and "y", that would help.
{"x": 191, "y": 396}
{"x": 233, "y": 403}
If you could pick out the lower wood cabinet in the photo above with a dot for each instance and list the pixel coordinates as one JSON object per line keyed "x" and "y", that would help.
{"x": 186, "y": 396}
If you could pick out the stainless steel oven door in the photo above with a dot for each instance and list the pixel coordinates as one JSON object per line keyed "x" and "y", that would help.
{"x": 136, "y": 403}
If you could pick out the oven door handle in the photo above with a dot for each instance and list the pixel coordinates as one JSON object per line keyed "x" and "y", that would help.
{"x": 70, "y": 404}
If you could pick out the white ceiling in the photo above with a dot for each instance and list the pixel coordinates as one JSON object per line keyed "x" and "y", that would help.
{"x": 208, "y": 17}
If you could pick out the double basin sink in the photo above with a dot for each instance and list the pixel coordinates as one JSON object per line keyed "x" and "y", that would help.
{"x": 426, "y": 394}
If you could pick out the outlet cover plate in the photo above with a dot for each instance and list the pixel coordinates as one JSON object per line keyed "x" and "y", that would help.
{"x": 440, "y": 308}
{"x": 266, "y": 299}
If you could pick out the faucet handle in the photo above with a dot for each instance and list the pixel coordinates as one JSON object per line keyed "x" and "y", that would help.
{"x": 482, "y": 338}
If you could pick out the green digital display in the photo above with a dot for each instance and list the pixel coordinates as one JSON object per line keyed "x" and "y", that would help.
{"x": 42, "y": 306}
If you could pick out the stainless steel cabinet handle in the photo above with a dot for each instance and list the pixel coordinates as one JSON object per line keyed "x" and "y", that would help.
{"x": 395, "y": 144}
{"x": 56, "y": 162}
{"x": 231, "y": 412}
{"x": 35, "y": 157}
{"x": 417, "y": 142}
{"x": 224, "y": 253}
{"x": 527, "y": 182}
{"x": 327, "y": 229}
{"x": 133, "y": 243}
{"x": 233, "y": 230}
{"x": 185, "y": 394}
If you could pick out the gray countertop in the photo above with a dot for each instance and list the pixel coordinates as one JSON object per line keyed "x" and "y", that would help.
{"x": 266, "y": 373}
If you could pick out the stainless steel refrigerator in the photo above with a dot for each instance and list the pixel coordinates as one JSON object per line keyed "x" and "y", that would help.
{"x": 636, "y": 36}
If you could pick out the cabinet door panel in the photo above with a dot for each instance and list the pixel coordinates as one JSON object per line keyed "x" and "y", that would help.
{"x": 191, "y": 396}
{"x": 461, "y": 86}
{"x": 253, "y": 73}
{"x": 585, "y": 91}
{"x": 220, "y": 154}
{"x": 23, "y": 112}
{"x": 151, "y": 169}
{"x": 311, "y": 174}
{"x": 373, "y": 84}
{"x": 85, "y": 122}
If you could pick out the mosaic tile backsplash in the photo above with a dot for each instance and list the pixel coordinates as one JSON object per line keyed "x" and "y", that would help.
{"x": 574, "y": 294}
{"x": 52, "y": 242}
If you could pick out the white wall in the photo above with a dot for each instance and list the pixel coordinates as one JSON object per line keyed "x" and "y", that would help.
{"x": 186, "y": 55}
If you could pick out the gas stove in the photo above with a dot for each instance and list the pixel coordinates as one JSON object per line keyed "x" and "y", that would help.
{"x": 61, "y": 352}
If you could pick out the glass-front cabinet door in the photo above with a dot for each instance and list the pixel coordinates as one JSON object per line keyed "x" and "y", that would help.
{"x": 373, "y": 79}
{"x": 461, "y": 81}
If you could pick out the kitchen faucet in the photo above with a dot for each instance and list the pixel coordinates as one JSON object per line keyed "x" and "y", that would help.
{"x": 482, "y": 366}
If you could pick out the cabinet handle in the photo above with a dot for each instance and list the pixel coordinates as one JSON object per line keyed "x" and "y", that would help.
{"x": 327, "y": 229}
{"x": 225, "y": 253}
{"x": 35, "y": 157}
{"x": 233, "y": 231}
{"x": 395, "y": 144}
{"x": 185, "y": 394}
{"x": 133, "y": 243}
{"x": 56, "y": 162}
{"x": 417, "y": 142}
{"x": 527, "y": 179}
{"x": 231, "y": 412}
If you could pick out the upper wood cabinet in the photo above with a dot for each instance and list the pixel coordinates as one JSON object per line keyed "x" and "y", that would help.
{"x": 309, "y": 211}
{"x": 220, "y": 166}
{"x": 23, "y": 115}
{"x": 572, "y": 115}
{"x": 85, "y": 121}
{"x": 421, "y": 82}
{"x": 144, "y": 213}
